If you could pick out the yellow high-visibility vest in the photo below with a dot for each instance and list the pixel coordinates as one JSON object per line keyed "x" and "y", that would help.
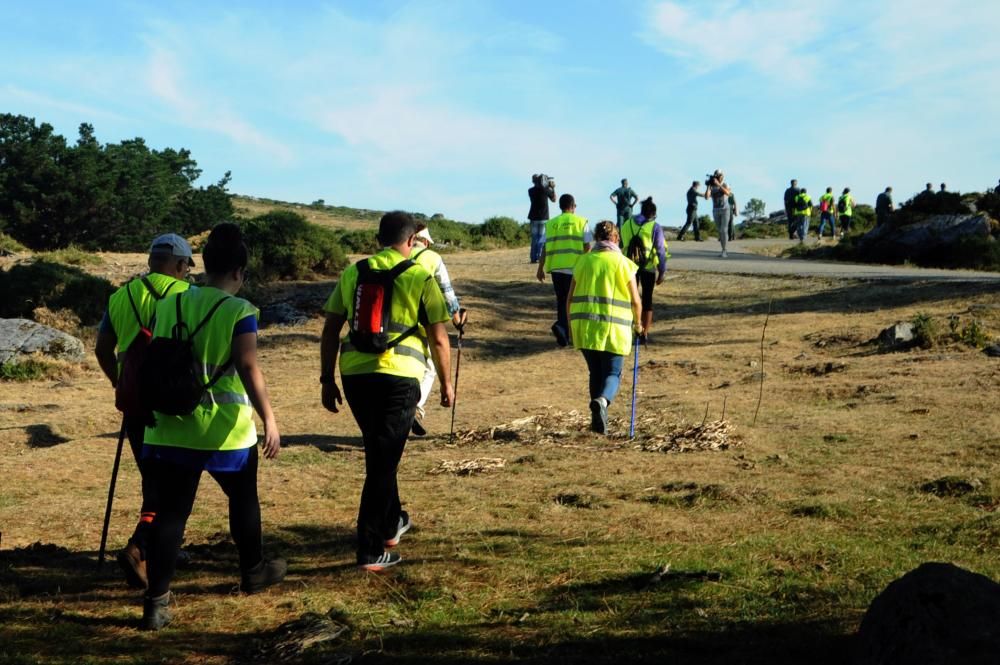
{"x": 600, "y": 311}
{"x": 645, "y": 231}
{"x": 564, "y": 241}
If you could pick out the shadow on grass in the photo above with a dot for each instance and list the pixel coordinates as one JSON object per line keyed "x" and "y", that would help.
{"x": 328, "y": 443}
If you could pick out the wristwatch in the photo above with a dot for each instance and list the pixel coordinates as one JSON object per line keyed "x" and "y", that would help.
{"x": 325, "y": 379}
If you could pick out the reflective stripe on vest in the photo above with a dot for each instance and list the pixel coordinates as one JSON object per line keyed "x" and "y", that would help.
{"x": 407, "y": 358}
{"x": 645, "y": 231}
{"x": 120, "y": 310}
{"x": 564, "y": 241}
{"x": 600, "y": 309}
{"x": 224, "y": 418}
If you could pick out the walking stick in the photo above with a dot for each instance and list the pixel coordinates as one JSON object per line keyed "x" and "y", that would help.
{"x": 111, "y": 496}
{"x": 635, "y": 381}
{"x": 458, "y": 365}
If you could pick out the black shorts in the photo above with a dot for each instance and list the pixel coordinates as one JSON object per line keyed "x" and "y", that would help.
{"x": 647, "y": 280}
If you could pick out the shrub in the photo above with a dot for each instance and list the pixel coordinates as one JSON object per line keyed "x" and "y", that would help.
{"x": 42, "y": 283}
{"x": 506, "y": 230}
{"x": 708, "y": 227}
{"x": 925, "y": 330}
{"x": 283, "y": 245}
{"x": 30, "y": 369}
{"x": 73, "y": 256}
{"x": 762, "y": 230}
{"x": 974, "y": 334}
{"x": 358, "y": 242}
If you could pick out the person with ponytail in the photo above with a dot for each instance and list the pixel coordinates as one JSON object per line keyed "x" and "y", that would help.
{"x": 644, "y": 244}
{"x": 219, "y": 435}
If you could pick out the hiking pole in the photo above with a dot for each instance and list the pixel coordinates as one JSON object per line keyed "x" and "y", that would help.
{"x": 111, "y": 496}
{"x": 635, "y": 381}
{"x": 458, "y": 365}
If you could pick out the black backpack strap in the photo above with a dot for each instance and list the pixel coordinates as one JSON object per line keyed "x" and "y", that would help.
{"x": 131, "y": 300}
{"x": 208, "y": 316}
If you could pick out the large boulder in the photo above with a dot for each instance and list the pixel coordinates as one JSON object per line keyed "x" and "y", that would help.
{"x": 925, "y": 237}
{"x": 938, "y": 614}
{"x": 20, "y": 338}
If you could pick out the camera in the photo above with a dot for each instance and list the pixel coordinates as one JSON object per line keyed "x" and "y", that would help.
{"x": 546, "y": 181}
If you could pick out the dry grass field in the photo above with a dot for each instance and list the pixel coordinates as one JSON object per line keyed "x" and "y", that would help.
{"x": 860, "y": 466}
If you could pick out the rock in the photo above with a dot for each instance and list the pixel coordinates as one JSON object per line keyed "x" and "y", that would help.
{"x": 281, "y": 314}
{"x": 938, "y": 614}
{"x": 899, "y": 336}
{"x": 993, "y": 350}
{"x": 923, "y": 238}
{"x": 20, "y": 338}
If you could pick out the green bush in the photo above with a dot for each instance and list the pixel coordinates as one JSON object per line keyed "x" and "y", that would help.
{"x": 506, "y": 230}
{"x": 358, "y": 242}
{"x": 925, "y": 330}
{"x": 10, "y": 246}
{"x": 73, "y": 256}
{"x": 708, "y": 227}
{"x": 27, "y": 370}
{"x": 762, "y": 230}
{"x": 54, "y": 286}
{"x": 283, "y": 245}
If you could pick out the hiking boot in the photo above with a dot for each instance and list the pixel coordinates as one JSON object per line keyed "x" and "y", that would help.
{"x": 560, "y": 335}
{"x": 599, "y": 415}
{"x": 132, "y": 563}
{"x": 418, "y": 428}
{"x": 403, "y": 527}
{"x": 379, "y": 563}
{"x": 263, "y": 575}
{"x": 155, "y": 612}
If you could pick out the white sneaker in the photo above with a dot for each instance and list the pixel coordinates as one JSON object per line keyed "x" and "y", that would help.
{"x": 723, "y": 255}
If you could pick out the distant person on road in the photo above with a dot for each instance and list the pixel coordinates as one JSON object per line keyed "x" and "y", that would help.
{"x": 130, "y": 311}
{"x": 803, "y": 213}
{"x": 719, "y": 192}
{"x": 884, "y": 207}
{"x": 432, "y": 261}
{"x": 623, "y": 198}
{"x": 567, "y": 238}
{"x": 944, "y": 188}
{"x": 845, "y": 211}
{"x": 691, "y": 212}
{"x": 604, "y": 309}
{"x": 542, "y": 191}
{"x": 790, "y": 194}
{"x": 644, "y": 244}
{"x": 733, "y": 214}
{"x": 827, "y": 213}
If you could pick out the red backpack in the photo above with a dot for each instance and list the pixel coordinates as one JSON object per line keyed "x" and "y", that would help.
{"x": 127, "y": 397}
{"x": 372, "y": 318}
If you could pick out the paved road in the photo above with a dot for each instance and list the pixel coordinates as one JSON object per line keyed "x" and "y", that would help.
{"x": 704, "y": 256}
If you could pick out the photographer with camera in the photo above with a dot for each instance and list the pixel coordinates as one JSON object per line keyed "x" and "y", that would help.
{"x": 542, "y": 191}
{"x": 717, "y": 189}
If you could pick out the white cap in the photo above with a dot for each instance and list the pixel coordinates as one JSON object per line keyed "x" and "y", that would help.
{"x": 426, "y": 235}
{"x": 171, "y": 244}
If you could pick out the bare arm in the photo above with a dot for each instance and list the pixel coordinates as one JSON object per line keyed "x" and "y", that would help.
{"x": 105, "y": 352}
{"x": 437, "y": 339}
{"x": 244, "y": 354}
{"x": 540, "y": 273}
{"x": 329, "y": 347}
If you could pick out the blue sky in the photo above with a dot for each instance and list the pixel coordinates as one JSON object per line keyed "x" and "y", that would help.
{"x": 451, "y": 106}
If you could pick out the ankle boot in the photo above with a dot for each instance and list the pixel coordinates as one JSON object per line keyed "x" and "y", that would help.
{"x": 263, "y": 575}
{"x": 155, "y": 612}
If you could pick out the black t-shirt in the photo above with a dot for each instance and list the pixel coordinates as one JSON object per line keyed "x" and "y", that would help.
{"x": 693, "y": 197}
{"x": 539, "y": 203}
{"x": 790, "y": 195}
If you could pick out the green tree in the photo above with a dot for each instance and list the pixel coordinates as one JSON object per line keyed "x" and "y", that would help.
{"x": 754, "y": 209}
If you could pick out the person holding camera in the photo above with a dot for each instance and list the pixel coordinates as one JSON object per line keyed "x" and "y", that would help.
{"x": 542, "y": 191}
{"x": 624, "y": 198}
{"x": 692, "y": 212}
{"x": 717, "y": 189}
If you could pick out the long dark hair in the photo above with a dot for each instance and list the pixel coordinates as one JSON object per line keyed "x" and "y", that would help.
{"x": 647, "y": 208}
{"x": 224, "y": 250}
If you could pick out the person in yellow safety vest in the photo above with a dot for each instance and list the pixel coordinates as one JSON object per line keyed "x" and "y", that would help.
{"x": 382, "y": 389}
{"x": 652, "y": 259}
{"x": 434, "y": 264}
{"x": 219, "y": 436}
{"x": 803, "y": 211}
{"x": 827, "y": 213}
{"x": 130, "y": 309}
{"x": 604, "y": 310}
{"x": 845, "y": 211}
{"x": 567, "y": 237}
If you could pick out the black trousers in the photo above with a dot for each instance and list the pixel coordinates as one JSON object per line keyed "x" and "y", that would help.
{"x": 692, "y": 221}
{"x": 384, "y": 406}
{"x": 174, "y": 489}
{"x": 135, "y": 429}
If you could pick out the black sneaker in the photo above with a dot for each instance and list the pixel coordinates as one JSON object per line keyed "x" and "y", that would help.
{"x": 263, "y": 575}
{"x": 560, "y": 334}
{"x": 418, "y": 428}
{"x": 155, "y": 612}
{"x": 379, "y": 563}
{"x": 403, "y": 527}
{"x": 598, "y": 416}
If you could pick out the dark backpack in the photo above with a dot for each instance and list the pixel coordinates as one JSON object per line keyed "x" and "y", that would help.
{"x": 170, "y": 380}
{"x": 127, "y": 396}
{"x": 371, "y": 321}
{"x": 802, "y": 204}
{"x": 842, "y": 205}
{"x": 636, "y": 250}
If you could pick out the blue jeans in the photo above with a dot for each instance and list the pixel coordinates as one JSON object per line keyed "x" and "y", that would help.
{"x": 605, "y": 373}
{"x": 537, "y": 239}
{"x": 561, "y": 282}
{"x": 825, "y": 217}
{"x": 803, "y": 226}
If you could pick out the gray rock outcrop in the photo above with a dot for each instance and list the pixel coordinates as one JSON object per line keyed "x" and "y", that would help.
{"x": 915, "y": 240}
{"x": 20, "y": 338}
{"x": 938, "y": 614}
